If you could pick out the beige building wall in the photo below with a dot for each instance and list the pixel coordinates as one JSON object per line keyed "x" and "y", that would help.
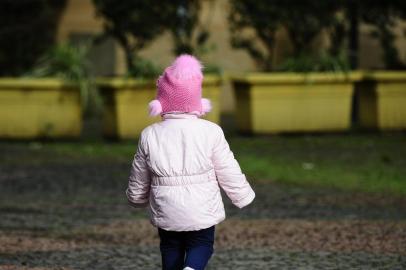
{"x": 78, "y": 16}
{"x": 371, "y": 53}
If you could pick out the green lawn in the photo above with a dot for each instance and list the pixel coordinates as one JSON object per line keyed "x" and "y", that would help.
{"x": 371, "y": 163}
{"x": 363, "y": 162}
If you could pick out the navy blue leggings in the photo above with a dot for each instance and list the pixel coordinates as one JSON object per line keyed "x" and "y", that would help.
{"x": 181, "y": 249}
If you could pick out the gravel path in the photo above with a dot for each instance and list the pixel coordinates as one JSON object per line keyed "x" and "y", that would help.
{"x": 126, "y": 257}
{"x": 59, "y": 213}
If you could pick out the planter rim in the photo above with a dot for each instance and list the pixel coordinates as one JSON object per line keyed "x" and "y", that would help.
{"x": 382, "y": 75}
{"x": 297, "y": 78}
{"x": 119, "y": 82}
{"x": 43, "y": 83}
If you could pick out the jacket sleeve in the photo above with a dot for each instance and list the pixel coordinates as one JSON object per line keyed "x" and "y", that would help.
{"x": 139, "y": 180}
{"x": 229, "y": 174}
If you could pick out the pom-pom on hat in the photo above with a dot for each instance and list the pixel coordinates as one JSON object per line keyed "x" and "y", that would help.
{"x": 180, "y": 88}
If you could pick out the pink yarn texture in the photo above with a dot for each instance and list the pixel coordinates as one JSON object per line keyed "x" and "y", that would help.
{"x": 180, "y": 88}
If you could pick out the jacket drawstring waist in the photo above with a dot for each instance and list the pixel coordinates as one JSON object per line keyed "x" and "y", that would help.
{"x": 180, "y": 180}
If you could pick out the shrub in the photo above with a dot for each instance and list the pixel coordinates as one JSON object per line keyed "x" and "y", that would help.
{"x": 70, "y": 63}
{"x": 316, "y": 63}
{"x": 144, "y": 69}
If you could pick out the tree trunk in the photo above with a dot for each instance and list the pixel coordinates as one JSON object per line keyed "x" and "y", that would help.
{"x": 129, "y": 57}
{"x": 353, "y": 14}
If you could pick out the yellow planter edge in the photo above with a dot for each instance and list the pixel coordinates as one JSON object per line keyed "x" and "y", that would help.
{"x": 28, "y": 83}
{"x": 387, "y": 76}
{"x": 297, "y": 78}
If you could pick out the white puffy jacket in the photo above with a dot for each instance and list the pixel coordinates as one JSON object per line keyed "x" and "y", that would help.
{"x": 179, "y": 165}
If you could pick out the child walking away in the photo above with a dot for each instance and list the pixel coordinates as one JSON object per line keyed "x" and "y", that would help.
{"x": 179, "y": 167}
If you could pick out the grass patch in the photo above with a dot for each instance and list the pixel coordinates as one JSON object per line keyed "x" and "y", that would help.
{"x": 370, "y": 163}
{"x": 357, "y": 162}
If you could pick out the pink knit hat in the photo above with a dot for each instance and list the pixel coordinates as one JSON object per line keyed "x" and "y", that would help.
{"x": 180, "y": 89}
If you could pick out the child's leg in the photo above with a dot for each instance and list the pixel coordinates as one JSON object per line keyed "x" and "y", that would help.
{"x": 199, "y": 248}
{"x": 172, "y": 249}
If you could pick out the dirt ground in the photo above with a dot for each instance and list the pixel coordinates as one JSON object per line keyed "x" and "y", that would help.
{"x": 62, "y": 213}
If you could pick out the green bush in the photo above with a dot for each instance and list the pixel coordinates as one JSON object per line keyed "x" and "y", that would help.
{"x": 316, "y": 63}
{"x": 144, "y": 69}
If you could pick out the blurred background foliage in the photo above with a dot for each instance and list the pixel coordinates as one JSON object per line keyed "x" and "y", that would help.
{"x": 188, "y": 35}
{"x": 382, "y": 15}
{"x": 28, "y": 29}
{"x": 134, "y": 24}
{"x": 318, "y": 62}
{"x": 254, "y": 24}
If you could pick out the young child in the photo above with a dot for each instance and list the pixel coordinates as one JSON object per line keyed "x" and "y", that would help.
{"x": 178, "y": 168}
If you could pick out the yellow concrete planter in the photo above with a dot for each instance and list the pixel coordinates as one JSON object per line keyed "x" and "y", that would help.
{"x": 126, "y": 104}
{"x": 382, "y": 100}
{"x": 292, "y": 102}
{"x": 33, "y": 108}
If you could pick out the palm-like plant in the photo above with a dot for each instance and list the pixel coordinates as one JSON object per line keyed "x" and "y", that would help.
{"x": 70, "y": 63}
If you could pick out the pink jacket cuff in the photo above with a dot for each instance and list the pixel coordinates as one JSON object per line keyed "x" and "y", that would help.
{"x": 136, "y": 203}
{"x": 246, "y": 200}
